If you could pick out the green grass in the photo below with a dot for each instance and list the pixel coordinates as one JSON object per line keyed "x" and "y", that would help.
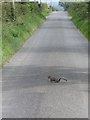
{"x": 14, "y": 34}
{"x": 80, "y": 23}
{"x": 0, "y": 43}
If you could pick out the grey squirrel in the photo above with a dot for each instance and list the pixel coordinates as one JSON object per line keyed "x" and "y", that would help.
{"x": 53, "y": 79}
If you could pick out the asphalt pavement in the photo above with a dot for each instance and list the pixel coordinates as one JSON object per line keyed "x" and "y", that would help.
{"x": 58, "y": 48}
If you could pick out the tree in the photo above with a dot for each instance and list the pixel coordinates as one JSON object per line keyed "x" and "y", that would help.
{"x": 12, "y": 11}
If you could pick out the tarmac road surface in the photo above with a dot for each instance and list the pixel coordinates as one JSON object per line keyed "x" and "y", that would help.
{"x": 58, "y": 48}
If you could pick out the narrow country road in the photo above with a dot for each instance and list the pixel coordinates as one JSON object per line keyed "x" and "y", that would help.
{"x": 58, "y": 49}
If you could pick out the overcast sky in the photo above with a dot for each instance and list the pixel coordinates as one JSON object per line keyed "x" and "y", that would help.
{"x": 48, "y": 1}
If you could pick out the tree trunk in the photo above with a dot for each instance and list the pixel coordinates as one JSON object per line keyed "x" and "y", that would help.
{"x": 12, "y": 10}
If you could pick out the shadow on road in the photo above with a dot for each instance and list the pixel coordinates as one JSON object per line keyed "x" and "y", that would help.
{"x": 31, "y": 76}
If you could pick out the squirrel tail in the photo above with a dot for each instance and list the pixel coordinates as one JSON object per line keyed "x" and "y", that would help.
{"x": 64, "y": 79}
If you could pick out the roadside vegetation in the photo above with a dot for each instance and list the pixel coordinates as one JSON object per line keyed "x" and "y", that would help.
{"x": 0, "y": 42}
{"x": 19, "y": 23}
{"x": 79, "y": 13}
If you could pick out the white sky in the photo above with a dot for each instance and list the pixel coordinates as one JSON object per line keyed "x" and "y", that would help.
{"x": 48, "y": 1}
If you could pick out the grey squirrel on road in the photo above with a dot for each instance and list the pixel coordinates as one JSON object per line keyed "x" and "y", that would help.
{"x": 53, "y": 79}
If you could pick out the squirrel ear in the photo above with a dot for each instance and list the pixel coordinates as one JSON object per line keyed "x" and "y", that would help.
{"x": 49, "y": 76}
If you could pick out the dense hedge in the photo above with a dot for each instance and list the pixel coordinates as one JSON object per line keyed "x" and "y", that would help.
{"x": 79, "y": 13}
{"x": 19, "y": 23}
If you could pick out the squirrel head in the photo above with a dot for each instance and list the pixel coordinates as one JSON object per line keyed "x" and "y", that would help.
{"x": 49, "y": 77}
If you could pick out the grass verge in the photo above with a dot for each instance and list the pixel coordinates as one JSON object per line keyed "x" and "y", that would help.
{"x": 15, "y": 33}
{"x": 81, "y": 24}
